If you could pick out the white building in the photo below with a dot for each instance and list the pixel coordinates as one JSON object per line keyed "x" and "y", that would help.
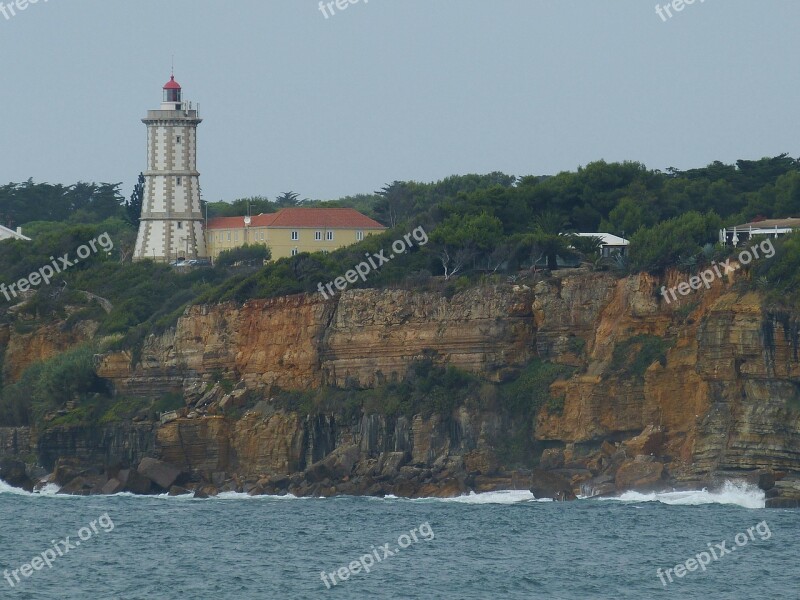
{"x": 610, "y": 244}
{"x": 741, "y": 234}
{"x": 171, "y": 225}
{"x": 10, "y": 234}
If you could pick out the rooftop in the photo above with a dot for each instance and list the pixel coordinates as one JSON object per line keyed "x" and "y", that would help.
{"x": 172, "y": 84}
{"x": 328, "y": 218}
{"x": 771, "y": 223}
{"x": 608, "y": 239}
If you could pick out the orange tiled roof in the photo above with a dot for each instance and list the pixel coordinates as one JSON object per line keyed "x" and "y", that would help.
{"x": 262, "y": 220}
{"x": 330, "y": 218}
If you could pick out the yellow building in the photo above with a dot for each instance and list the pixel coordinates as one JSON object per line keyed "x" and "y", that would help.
{"x": 291, "y": 231}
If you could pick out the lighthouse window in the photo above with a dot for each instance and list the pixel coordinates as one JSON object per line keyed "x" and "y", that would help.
{"x": 180, "y": 225}
{"x": 178, "y": 140}
{"x": 178, "y": 180}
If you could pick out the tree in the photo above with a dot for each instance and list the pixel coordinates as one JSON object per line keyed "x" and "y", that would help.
{"x": 461, "y": 237}
{"x": 133, "y": 207}
{"x": 548, "y": 238}
{"x": 396, "y": 204}
{"x": 288, "y": 200}
{"x": 248, "y": 255}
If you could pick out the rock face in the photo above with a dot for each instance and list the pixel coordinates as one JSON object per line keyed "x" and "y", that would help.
{"x": 662, "y": 394}
{"x": 301, "y": 342}
{"x": 24, "y": 349}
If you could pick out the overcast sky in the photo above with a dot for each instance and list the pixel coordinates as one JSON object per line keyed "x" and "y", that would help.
{"x": 395, "y": 89}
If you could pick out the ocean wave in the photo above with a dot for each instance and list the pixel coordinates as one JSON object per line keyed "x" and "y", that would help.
{"x": 51, "y": 489}
{"x": 732, "y": 493}
{"x": 735, "y": 493}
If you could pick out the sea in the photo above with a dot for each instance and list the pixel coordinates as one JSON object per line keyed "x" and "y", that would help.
{"x": 721, "y": 545}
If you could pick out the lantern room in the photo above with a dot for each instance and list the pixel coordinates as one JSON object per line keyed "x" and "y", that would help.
{"x": 172, "y": 93}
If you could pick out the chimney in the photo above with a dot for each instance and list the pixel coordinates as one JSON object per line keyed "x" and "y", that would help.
{"x": 19, "y": 230}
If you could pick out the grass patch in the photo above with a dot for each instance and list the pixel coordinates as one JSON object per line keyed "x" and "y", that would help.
{"x": 634, "y": 356}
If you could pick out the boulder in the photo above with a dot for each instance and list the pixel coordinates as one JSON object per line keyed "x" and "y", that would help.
{"x": 177, "y": 490}
{"x": 639, "y": 475}
{"x": 447, "y": 488}
{"x": 255, "y": 490}
{"x": 337, "y": 465}
{"x": 608, "y": 448}
{"x": 206, "y": 491}
{"x": 552, "y": 458}
{"x": 548, "y": 484}
{"x": 764, "y": 479}
{"x": 493, "y": 484}
{"x": 649, "y": 442}
{"x": 112, "y": 486}
{"x": 77, "y": 486}
{"x": 162, "y": 474}
{"x": 602, "y": 485}
{"x": 14, "y": 473}
{"x": 134, "y": 482}
{"x": 390, "y": 463}
{"x": 66, "y": 470}
{"x": 782, "y": 503}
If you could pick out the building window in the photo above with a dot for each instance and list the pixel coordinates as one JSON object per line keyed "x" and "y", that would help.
{"x": 178, "y": 180}
{"x": 229, "y": 236}
{"x": 235, "y": 236}
{"x": 318, "y": 235}
{"x": 295, "y": 237}
{"x": 330, "y": 236}
{"x": 359, "y": 235}
{"x": 294, "y": 252}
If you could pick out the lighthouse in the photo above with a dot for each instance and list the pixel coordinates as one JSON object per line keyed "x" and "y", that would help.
{"x": 171, "y": 226}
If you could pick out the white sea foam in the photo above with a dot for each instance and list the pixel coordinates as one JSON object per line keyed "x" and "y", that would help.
{"x": 51, "y": 489}
{"x": 732, "y": 493}
{"x": 499, "y": 497}
{"x": 736, "y": 493}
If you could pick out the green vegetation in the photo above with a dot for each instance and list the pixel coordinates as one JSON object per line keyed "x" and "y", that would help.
{"x": 50, "y": 385}
{"x": 480, "y": 229}
{"x": 634, "y": 356}
{"x": 247, "y": 255}
{"x": 523, "y": 398}
{"x": 428, "y": 388}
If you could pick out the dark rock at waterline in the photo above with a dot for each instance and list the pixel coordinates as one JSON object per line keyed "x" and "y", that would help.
{"x": 782, "y": 502}
{"x": 177, "y": 490}
{"x": 162, "y": 474}
{"x": 206, "y": 491}
{"x": 14, "y": 473}
{"x": 641, "y": 474}
{"x": 113, "y": 486}
{"x": 135, "y": 482}
{"x": 66, "y": 469}
{"x": 545, "y": 484}
{"x": 764, "y": 479}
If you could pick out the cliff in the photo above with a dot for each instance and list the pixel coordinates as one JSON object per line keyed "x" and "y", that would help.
{"x": 660, "y": 393}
